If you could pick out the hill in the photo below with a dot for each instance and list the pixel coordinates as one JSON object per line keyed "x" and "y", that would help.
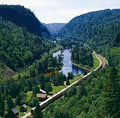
{"x": 21, "y": 39}
{"x": 23, "y": 17}
{"x": 54, "y": 28}
{"x": 18, "y": 47}
{"x": 96, "y": 28}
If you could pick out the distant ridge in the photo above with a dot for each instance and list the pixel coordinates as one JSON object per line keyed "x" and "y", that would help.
{"x": 22, "y": 16}
{"x": 54, "y": 28}
{"x": 96, "y": 28}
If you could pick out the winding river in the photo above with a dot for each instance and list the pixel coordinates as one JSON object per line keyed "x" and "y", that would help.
{"x": 67, "y": 64}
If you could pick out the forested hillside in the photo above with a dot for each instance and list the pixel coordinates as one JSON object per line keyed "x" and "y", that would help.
{"x": 22, "y": 40}
{"x": 95, "y": 98}
{"x": 23, "y": 17}
{"x": 19, "y": 48}
{"x": 96, "y": 28}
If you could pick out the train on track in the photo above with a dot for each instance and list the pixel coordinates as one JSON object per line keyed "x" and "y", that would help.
{"x": 62, "y": 92}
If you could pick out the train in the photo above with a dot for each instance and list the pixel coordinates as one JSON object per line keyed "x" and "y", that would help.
{"x": 62, "y": 92}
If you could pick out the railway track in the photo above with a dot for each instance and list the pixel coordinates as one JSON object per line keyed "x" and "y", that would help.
{"x": 102, "y": 64}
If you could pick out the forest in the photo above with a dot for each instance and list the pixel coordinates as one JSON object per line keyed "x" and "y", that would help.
{"x": 24, "y": 17}
{"x": 82, "y": 55}
{"x": 18, "y": 48}
{"x": 18, "y": 56}
{"x": 97, "y": 29}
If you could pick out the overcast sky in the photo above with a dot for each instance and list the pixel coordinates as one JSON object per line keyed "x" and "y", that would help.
{"x": 62, "y": 11}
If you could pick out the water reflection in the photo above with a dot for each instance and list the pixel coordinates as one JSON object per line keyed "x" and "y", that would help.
{"x": 67, "y": 64}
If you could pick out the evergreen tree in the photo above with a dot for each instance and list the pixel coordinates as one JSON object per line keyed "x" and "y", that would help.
{"x": 36, "y": 90}
{"x": 48, "y": 87}
{"x": 32, "y": 72}
{"x": 112, "y": 95}
{"x": 2, "y": 107}
{"x": 67, "y": 81}
{"x": 70, "y": 75}
{"x": 37, "y": 113}
{"x": 18, "y": 100}
{"x": 10, "y": 103}
{"x": 21, "y": 98}
{"x": 19, "y": 76}
{"x": 81, "y": 91}
{"x": 42, "y": 84}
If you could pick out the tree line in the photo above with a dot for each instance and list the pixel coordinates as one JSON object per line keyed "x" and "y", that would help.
{"x": 82, "y": 55}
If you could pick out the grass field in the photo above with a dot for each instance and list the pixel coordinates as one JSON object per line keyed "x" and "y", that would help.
{"x": 59, "y": 88}
{"x": 96, "y": 61}
{"x": 56, "y": 89}
{"x": 29, "y": 95}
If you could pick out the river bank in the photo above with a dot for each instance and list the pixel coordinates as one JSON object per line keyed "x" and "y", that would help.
{"x": 86, "y": 69}
{"x": 67, "y": 63}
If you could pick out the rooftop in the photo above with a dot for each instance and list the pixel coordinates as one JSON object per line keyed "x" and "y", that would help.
{"x": 40, "y": 95}
{"x": 42, "y": 91}
{"x": 15, "y": 111}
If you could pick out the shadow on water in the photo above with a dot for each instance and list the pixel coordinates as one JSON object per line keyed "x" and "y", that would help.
{"x": 67, "y": 64}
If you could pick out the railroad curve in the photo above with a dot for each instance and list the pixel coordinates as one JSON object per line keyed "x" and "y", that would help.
{"x": 102, "y": 64}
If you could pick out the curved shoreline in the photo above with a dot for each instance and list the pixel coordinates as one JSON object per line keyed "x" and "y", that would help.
{"x": 86, "y": 69}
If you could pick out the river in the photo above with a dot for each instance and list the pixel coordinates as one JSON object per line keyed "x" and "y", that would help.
{"x": 67, "y": 64}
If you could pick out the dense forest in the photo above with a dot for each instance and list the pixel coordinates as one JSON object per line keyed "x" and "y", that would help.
{"x": 96, "y": 28}
{"x": 23, "y": 17}
{"x": 18, "y": 47}
{"x": 82, "y": 55}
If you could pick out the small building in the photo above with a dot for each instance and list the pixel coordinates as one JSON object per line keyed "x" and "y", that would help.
{"x": 14, "y": 113}
{"x": 42, "y": 91}
{"x": 23, "y": 108}
{"x": 41, "y": 96}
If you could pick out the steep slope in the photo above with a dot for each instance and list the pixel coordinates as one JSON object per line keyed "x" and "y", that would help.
{"x": 54, "y": 28}
{"x": 96, "y": 28}
{"x": 23, "y": 17}
{"x": 5, "y": 72}
{"x": 18, "y": 47}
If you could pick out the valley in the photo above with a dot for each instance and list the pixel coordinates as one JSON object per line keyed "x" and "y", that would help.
{"x": 59, "y": 70}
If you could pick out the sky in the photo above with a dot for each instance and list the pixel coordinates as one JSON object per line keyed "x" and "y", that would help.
{"x": 62, "y": 11}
